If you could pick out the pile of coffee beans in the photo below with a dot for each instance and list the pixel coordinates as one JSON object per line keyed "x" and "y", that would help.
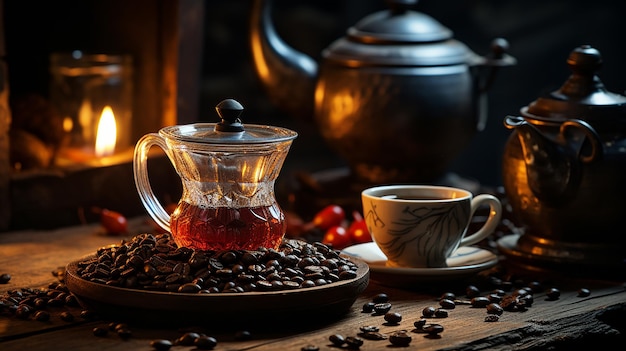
{"x": 155, "y": 263}
{"x": 41, "y": 304}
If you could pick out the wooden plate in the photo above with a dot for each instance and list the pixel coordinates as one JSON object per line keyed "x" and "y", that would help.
{"x": 289, "y": 306}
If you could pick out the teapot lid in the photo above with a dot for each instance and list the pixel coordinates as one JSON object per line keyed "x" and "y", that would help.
{"x": 230, "y": 130}
{"x": 399, "y": 36}
{"x": 582, "y": 96}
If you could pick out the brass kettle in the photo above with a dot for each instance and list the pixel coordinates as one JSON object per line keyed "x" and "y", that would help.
{"x": 564, "y": 170}
{"x": 398, "y": 97}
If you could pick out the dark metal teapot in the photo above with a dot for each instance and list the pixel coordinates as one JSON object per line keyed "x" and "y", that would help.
{"x": 398, "y": 97}
{"x": 564, "y": 169}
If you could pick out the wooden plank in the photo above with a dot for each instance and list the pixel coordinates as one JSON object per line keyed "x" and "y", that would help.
{"x": 32, "y": 255}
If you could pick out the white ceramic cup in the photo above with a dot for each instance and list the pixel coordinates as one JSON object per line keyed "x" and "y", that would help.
{"x": 420, "y": 226}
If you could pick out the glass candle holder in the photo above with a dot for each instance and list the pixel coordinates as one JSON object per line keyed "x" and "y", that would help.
{"x": 94, "y": 94}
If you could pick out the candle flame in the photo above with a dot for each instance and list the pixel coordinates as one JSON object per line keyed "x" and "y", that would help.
{"x": 106, "y": 134}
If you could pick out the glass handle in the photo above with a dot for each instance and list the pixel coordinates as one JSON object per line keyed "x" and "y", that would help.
{"x": 142, "y": 182}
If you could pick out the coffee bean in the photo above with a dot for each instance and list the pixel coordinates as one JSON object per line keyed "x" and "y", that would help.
{"x": 393, "y": 317}
{"x": 472, "y": 291}
{"x": 368, "y": 307}
{"x": 354, "y": 342}
{"x": 583, "y": 292}
{"x": 5, "y": 278}
{"x": 204, "y": 342}
{"x": 42, "y": 316}
{"x": 100, "y": 332}
{"x": 492, "y": 318}
{"x": 337, "y": 339}
{"x": 380, "y": 298}
{"x": 382, "y": 308}
{"x": 433, "y": 329}
{"x": 494, "y": 308}
{"x": 420, "y": 323}
{"x": 448, "y": 296}
{"x": 428, "y": 311}
{"x": 553, "y": 294}
{"x": 400, "y": 338}
{"x": 480, "y": 301}
{"x": 372, "y": 335}
{"x": 447, "y": 304}
{"x": 441, "y": 313}
{"x": 310, "y": 348}
{"x": 161, "y": 344}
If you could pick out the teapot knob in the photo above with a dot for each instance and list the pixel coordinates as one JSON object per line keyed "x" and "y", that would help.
{"x": 229, "y": 111}
{"x": 584, "y": 60}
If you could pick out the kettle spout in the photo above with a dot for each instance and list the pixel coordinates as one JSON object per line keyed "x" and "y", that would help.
{"x": 287, "y": 75}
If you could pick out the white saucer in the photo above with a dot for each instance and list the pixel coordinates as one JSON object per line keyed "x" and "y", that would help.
{"x": 465, "y": 261}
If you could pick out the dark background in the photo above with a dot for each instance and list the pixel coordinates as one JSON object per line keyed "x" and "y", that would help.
{"x": 541, "y": 36}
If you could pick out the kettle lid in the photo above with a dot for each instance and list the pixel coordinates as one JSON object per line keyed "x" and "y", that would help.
{"x": 583, "y": 96}
{"x": 399, "y": 36}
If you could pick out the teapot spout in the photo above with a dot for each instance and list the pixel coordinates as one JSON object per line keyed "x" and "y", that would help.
{"x": 287, "y": 75}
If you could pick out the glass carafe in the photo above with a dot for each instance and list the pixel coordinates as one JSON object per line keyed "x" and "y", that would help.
{"x": 227, "y": 173}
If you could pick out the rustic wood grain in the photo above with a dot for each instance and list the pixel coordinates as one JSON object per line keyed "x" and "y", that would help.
{"x": 31, "y": 256}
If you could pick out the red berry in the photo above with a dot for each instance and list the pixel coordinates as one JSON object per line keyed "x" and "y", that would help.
{"x": 113, "y": 222}
{"x": 329, "y": 216}
{"x": 358, "y": 229}
{"x": 337, "y": 237}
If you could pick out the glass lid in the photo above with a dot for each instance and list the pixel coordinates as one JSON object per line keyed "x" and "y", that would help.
{"x": 230, "y": 130}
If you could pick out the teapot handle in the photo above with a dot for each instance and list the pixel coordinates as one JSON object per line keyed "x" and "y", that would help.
{"x": 142, "y": 182}
{"x": 589, "y": 133}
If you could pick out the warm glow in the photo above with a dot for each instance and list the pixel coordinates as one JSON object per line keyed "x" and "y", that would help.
{"x": 106, "y": 134}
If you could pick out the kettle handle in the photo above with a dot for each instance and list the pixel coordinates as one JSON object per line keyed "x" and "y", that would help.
{"x": 590, "y": 134}
{"x": 142, "y": 182}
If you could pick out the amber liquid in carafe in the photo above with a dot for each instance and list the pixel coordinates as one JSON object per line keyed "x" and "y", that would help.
{"x": 226, "y": 228}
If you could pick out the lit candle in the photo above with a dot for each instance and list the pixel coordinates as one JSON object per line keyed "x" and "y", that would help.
{"x": 106, "y": 134}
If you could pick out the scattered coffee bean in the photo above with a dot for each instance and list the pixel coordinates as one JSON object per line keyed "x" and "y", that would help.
{"x": 369, "y": 328}
{"x": 535, "y": 286}
{"x": 187, "y": 339}
{"x": 492, "y": 318}
{"x": 480, "y": 301}
{"x": 448, "y": 296}
{"x": 382, "y": 308}
{"x": 494, "y": 308}
{"x": 5, "y": 278}
{"x": 337, "y": 339}
{"x": 371, "y": 335}
{"x": 353, "y": 342}
{"x": 393, "y": 317}
{"x": 124, "y": 333}
{"x": 441, "y": 313}
{"x": 42, "y": 316}
{"x": 583, "y": 292}
{"x": 447, "y": 304}
{"x": 100, "y": 332}
{"x": 420, "y": 323}
{"x": 553, "y": 294}
{"x": 161, "y": 344}
{"x": 368, "y": 307}
{"x": 433, "y": 328}
{"x": 400, "y": 338}
{"x": 380, "y": 298}
{"x": 243, "y": 335}
{"x": 428, "y": 311}
{"x": 66, "y": 316}
{"x": 472, "y": 291}
{"x": 495, "y": 298}
{"x": 310, "y": 348}
{"x": 204, "y": 342}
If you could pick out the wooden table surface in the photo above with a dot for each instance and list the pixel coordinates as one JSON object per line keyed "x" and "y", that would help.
{"x": 33, "y": 257}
